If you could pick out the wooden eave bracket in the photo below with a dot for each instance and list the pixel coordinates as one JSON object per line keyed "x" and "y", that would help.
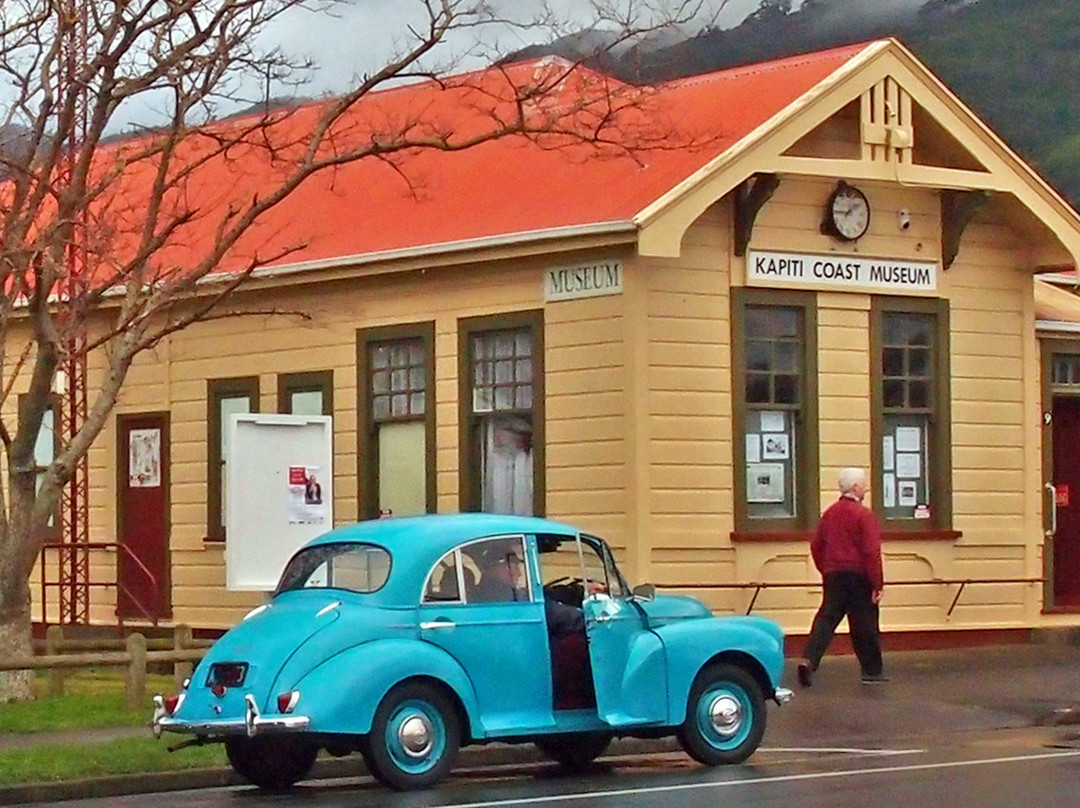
{"x": 957, "y": 210}
{"x": 748, "y": 200}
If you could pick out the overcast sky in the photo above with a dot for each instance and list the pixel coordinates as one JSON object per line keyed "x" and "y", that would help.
{"x": 361, "y": 34}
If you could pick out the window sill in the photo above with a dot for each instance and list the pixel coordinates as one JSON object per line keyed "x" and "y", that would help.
{"x": 743, "y": 536}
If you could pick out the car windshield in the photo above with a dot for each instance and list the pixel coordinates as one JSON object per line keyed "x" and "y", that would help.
{"x": 360, "y": 568}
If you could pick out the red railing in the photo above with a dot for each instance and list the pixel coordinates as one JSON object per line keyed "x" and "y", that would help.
{"x": 64, "y": 552}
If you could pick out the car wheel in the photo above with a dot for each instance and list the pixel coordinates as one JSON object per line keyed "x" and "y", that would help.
{"x": 725, "y": 716}
{"x": 415, "y": 736}
{"x": 271, "y": 763}
{"x": 574, "y": 751}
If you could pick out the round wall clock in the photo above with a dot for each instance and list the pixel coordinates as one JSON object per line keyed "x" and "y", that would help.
{"x": 847, "y": 213}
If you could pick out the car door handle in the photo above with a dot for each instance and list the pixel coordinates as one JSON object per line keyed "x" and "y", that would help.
{"x": 436, "y": 624}
{"x": 602, "y": 618}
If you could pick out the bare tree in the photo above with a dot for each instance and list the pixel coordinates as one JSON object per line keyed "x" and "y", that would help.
{"x": 106, "y": 246}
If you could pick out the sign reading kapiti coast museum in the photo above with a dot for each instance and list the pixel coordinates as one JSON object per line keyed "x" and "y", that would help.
{"x": 839, "y": 272}
{"x": 583, "y": 280}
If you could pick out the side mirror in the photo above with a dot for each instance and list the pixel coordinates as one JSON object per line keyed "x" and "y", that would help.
{"x": 644, "y": 592}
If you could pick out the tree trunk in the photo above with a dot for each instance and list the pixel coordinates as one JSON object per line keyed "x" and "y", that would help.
{"x": 15, "y": 640}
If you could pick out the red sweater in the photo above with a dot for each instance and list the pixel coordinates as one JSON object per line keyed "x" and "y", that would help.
{"x": 848, "y": 539}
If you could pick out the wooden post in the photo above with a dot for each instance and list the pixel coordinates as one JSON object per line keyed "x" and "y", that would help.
{"x": 135, "y": 685}
{"x": 54, "y": 644}
{"x": 182, "y": 640}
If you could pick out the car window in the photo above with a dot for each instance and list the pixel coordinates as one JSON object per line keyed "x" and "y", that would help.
{"x": 360, "y": 568}
{"x": 443, "y": 583}
{"x": 502, "y": 570}
{"x": 561, "y": 565}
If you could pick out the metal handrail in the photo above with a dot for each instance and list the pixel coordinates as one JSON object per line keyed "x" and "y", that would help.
{"x": 758, "y": 586}
{"x": 68, "y": 547}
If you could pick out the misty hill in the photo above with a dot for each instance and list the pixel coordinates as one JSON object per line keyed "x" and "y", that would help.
{"x": 1014, "y": 63}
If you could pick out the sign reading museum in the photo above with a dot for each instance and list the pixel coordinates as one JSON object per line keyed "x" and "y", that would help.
{"x": 584, "y": 280}
{"x": 839, "y": 272}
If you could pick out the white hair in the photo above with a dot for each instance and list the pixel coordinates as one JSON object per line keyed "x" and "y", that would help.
{"x": 849, "y": 478}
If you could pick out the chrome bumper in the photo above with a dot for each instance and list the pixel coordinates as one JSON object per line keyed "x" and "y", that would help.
{"x": 253, "y": 723}
{"x": 782, "y": 696}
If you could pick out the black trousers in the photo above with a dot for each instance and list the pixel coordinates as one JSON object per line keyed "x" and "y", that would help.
{"x": 847, "y": 594}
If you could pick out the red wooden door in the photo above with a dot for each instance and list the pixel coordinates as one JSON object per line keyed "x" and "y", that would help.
{"x": 143, "y": 516}
{"x": 1066, "y": 425}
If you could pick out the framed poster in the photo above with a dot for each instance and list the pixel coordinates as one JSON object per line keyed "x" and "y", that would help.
{"x": 776, "y": 446}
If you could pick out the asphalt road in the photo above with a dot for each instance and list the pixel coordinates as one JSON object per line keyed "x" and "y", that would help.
{"x": 1015, "y": 768}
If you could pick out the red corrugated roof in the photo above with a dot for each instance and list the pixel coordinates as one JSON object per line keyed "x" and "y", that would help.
{"x": 497, "y": 189}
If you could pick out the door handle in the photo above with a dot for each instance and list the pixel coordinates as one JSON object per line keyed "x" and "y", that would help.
{"x": 1053, "y": 510}
{"x": 437, "y": 624}
{"x": 602, "y": 618}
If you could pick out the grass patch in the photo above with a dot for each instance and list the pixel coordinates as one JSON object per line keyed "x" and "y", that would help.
{"x": 59, "y": 762}
{"x": 91, "y": 699}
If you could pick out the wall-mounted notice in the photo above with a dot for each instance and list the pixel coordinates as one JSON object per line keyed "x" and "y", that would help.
{"x": 765, "y": 482}
{"x": 776, "y": 446}
{"x": 753, "y": 448}
{"x": 888, "y": 490}
{"x": 888, "y": 450}
{"x": 772, "y": 421}
{"x": 908, "y": 439}
{"x": 908, "y": 465}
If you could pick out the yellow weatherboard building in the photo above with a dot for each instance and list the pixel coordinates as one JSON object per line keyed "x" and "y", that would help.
{"x": 677, "y": 348}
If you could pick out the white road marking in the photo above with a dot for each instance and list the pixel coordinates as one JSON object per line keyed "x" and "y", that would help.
{"x": 786, "y": 778}
{"x": 840, "y": 750}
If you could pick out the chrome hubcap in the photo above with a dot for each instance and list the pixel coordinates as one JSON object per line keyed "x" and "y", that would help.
{"x": 414, "y": 735}
{"x": 725, "y": 715}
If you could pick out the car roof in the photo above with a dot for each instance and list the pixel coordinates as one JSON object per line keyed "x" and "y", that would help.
{"x": 416, "y": 543}
{"x": 438, "y": 533}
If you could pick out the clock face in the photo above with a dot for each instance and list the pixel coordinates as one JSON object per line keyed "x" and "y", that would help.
{"x": 849, "y": 212}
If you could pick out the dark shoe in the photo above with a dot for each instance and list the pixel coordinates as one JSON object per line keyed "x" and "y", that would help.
{"x": 874, "y": 678}
{"x": 806, "y": 674}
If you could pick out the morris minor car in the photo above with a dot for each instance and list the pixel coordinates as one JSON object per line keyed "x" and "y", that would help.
{"x": 404, "y": 639}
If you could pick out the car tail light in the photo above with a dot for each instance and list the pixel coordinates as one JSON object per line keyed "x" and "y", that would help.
{"x": 172, "y": 703}
{"x": 286, "y": 702}
{"x": 226, "y": 674}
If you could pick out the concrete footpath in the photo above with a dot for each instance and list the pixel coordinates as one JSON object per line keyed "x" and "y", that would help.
{"x": 931, "y": 693}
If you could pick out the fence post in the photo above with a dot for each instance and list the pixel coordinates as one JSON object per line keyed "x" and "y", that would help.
{"x": 135, "y": 685}
{"x": 182, "y": 640}
{"x": 54, "y": 642}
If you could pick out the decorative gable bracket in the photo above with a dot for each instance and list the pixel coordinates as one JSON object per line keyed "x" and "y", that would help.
{"x": 749, "y": 198}
{"x": 957, "y": 210}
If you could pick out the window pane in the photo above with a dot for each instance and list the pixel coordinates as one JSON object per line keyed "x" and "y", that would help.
{"x": 504, "y": 345}
{"x": 506, "y": 464}
{"x": 523, "y": 370}
{"x": 380, "y": 407}
{"x": 230, "y": 405}
{"x": 919, "y": 362}
{"x": 45, "y": 445}
{"x": 416, "y": 403}
{"x": 399, "y": 405}
{"x": 758, "y": 356}
{"x": 402, "y": 468}
{"x": 380, "y": 356}
{"x": 786, "y": 357}
{"x": 306, "y": 402}
{"x": 443, "y": 581}
{"x": 380, "y": 381}
{"x": 892, "y": 363}
{"x": 918, "y": 394}
{"x": 524, "y": 343}
{"x": 786, "y": 389}
{"x": 757, "y": 388}
{"x": 893, "y": 393}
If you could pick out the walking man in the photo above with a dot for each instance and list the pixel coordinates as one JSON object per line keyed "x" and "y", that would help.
{"x": 847, "y": 553}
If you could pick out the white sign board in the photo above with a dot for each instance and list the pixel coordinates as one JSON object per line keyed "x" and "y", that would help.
{"x": 583, "y": 280}
{"x": 279, "y": 493}
{"x": 839, "y": 272}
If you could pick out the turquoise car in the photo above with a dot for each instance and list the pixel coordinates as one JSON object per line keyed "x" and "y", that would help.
{"x": 404, "y": 639}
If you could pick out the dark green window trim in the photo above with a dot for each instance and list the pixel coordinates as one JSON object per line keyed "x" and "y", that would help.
{"x": 367, "y": 450}
{"x": 939, "y": 457}
{"x": 216, "y": 390}
{"x": 468, "y": 436}
{"x": 807, "y": 499}
{"x": 321, "y": 381}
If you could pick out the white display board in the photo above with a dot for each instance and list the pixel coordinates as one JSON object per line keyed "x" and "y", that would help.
{"x": 278, "y": 490}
